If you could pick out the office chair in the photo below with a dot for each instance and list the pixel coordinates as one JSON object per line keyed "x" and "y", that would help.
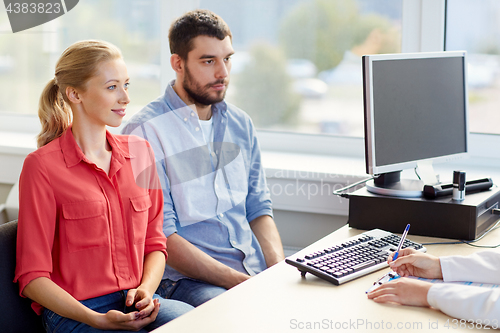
{"x": 10, "y": 210}
{"x": 17, "y": 316}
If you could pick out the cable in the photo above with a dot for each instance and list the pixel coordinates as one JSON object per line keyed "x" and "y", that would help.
{"x": 484, "y": 246}
{"x": 416, "y": 172}
{"x": 470, "y": 243}
{"x": 345, "y": 195}
{"x": 484, "y": 234}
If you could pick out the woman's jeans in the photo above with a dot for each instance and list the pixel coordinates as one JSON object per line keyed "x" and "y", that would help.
{"x": 169, "y": 309}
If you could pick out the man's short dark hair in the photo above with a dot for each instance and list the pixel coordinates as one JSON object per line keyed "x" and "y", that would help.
{"x": 199, "y": 22}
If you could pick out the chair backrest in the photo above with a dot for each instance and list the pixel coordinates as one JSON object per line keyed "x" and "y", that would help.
{"x": 16, "y": 315}
{"x": 12, "y": 203}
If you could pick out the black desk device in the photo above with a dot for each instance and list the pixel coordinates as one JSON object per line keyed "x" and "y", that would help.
{"x": 441, "y": 217}
{"x": 441, "y": 190}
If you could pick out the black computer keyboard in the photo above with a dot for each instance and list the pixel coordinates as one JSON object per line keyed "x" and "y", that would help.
{"x": 352, "y": 257}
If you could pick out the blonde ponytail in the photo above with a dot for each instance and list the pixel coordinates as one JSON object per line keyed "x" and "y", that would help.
{"x": 54, "y": 114}
{"x": 77, "y": 65}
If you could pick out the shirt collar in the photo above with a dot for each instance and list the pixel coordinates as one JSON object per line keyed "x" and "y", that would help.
{"x": 74, "y": 155}
{"x": 180, "y": 108}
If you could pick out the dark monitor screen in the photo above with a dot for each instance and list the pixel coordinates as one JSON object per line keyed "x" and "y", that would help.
{"x": 418, "y": 110}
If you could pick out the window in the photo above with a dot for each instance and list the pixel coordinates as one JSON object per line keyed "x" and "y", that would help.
{"x": 475, "y": 27}
{"x": 140, "y": 27}
{"x": 297, "y": 65}
{"x": 27, "y": 58}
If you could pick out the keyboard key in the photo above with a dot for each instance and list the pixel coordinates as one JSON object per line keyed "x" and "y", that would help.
{"x": 367, "y": 264}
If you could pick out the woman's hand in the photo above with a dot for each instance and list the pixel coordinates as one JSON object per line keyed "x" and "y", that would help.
{"x": 133, "y": 321}
{"x": 413, "y": 263}
{"x": 142, "y": 300}
{"x": 402, "y": 291}
{"x": 45, "y": 292}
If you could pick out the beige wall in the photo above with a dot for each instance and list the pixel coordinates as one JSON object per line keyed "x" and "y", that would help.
{"x": 4, "y": 192}
{"x": 302, "y": 229}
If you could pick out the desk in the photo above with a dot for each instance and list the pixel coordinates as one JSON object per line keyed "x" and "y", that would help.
{"x": 279, "y": 300}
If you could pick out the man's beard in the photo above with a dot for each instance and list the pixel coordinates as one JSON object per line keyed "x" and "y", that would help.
{"x": 201, "y": 95}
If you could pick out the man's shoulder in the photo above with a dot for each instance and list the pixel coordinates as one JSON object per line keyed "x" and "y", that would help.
{"x": 239, "y": 115}
{"x": 236, "y": 111}
{"x": 154, "y": 109}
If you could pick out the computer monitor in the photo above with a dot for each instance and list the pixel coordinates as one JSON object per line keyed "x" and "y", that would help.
{"x": 415, "y": 107}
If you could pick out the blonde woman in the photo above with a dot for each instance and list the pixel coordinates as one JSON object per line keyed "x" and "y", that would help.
{"x": 91, "y": 250}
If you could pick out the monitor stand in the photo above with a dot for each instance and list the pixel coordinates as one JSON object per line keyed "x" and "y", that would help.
{"x": 391, "y": 184}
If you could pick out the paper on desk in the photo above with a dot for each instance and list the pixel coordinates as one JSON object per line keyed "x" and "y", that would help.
{"x": 476, "y": 284}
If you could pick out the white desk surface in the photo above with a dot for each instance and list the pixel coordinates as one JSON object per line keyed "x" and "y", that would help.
{"x": 279, "y": 300}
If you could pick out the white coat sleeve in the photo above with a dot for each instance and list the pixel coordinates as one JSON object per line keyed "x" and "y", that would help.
{"x": 469, "y": 302}
{"x": 481, "y": 267}
{"x": 466, "y": 302}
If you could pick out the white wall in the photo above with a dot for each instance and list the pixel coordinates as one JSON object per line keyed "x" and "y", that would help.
{"x": 4, "y": 191}
{"x": 299, "y": 229}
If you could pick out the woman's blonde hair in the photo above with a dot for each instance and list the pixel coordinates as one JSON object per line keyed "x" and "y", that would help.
{"x": 75, "y": 67}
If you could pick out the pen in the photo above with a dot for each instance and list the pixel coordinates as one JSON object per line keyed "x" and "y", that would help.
{"x": 401, "y": 242}
{"x": 386, "y": 278}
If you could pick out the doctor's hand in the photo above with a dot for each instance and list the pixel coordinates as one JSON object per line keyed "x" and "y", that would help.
{"x": 410, "y": 262}
{"x": 402, "y": 291}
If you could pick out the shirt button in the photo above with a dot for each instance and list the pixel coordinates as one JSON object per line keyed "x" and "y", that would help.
{"x": 221, "y": 215}
{"x": 192, "y": 114}
{"x": 197, "y": 129}
{"x": 234, "y": 243}
{"x": 213, "y": 154}
{"x": 222, "y": 121}
{"x": 185, "y": 119}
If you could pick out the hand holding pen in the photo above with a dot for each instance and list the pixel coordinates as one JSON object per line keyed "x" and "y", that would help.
{"x": 411, "y": 262}
{"x": 406, "y": 262}
{"x": 414, "y": 263}
{"x": 391, "y": 275}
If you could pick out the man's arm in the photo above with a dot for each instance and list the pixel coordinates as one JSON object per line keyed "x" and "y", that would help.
{"x": 259, "y": 206}
{"x": 190, "y": 261}
{"x": 269, "y": 239}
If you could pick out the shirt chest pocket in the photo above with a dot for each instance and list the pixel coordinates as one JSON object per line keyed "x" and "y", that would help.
{"x": 85, "y": 225}
{"x": 140, "y": 213}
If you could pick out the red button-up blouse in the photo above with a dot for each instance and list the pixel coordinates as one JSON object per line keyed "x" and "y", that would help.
{"x": 86, "y": 230}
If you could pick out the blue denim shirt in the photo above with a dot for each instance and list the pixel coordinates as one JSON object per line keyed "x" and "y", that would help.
{"x": 211, "y": 191}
